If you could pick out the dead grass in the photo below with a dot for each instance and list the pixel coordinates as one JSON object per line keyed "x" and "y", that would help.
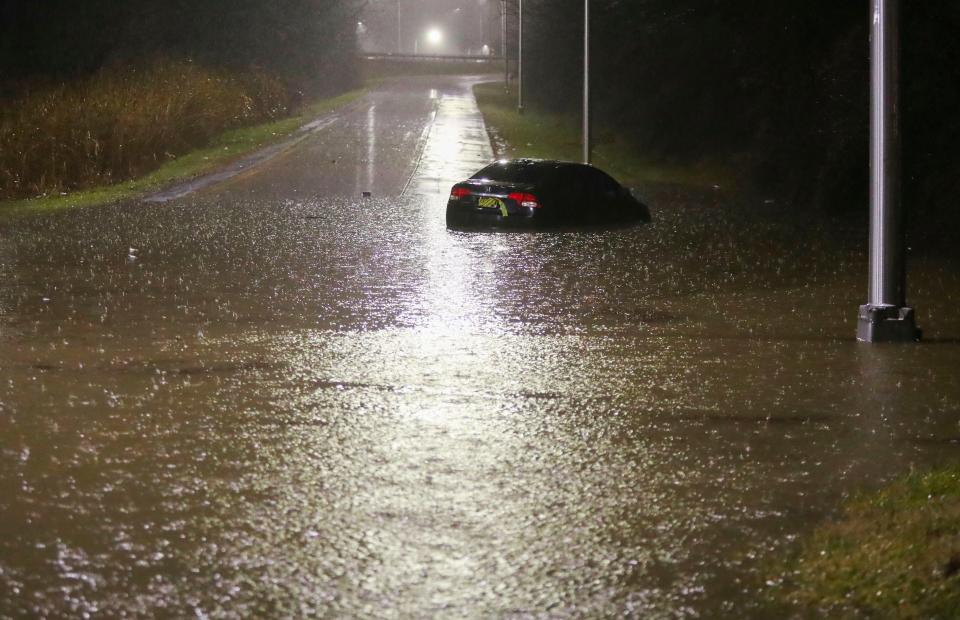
{"x": 123, "y": 123}
{"x": 223, "y": 149}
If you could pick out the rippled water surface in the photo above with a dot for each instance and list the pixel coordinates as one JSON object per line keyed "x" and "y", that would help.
{"x": 246, "y": 404}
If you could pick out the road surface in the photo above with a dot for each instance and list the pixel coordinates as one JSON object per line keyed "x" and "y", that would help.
{"x": 277, "y": 398}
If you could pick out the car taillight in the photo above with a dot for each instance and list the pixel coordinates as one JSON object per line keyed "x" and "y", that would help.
{"x": 525, "y": 200}
{"x": 459, "y": 192}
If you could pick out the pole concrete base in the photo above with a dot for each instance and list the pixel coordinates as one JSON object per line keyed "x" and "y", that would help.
{"x": 887, "y": 324}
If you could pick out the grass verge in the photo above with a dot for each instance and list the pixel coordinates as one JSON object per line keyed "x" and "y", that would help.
{"x": 227, "y": 147}
{"x": 895, "y": 553}
{"x": 544, "y": 135}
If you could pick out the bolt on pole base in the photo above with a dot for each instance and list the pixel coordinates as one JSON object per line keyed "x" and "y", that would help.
{"x": 887, "y": 324}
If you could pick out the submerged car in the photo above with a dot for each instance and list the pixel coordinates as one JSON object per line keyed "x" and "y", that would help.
{"x": 532, "y": 193}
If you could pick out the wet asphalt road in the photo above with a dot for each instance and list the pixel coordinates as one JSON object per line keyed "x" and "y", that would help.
{"x": 277, "y": 399}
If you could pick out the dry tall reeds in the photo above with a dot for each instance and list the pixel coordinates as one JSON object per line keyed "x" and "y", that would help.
{"x": 123, "y": 122}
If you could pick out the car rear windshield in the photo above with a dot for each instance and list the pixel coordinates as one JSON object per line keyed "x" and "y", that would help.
{"x": 516, "y": 172}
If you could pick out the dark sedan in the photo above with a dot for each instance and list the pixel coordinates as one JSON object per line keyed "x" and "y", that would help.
{"x": 529, "y": 193}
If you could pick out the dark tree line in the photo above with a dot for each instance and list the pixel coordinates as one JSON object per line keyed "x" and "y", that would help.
{"x": 780, "y": 88}
{"x": 309, "y": 43}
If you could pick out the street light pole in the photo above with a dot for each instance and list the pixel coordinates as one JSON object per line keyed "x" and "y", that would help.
{"x": 399, "y": 31}
{"x": 483, "y": 28}
{"x": 886, "y": 317}
{"x": 520, "y": 57}
{"x": 586, "y": 82}
{"x": 503, "y": 44}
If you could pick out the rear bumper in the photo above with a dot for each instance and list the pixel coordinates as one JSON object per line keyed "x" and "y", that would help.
{"x": 469, "y": 217}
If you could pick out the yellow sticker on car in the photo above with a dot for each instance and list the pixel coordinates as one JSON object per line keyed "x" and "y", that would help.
{"x": 493, "y": 203}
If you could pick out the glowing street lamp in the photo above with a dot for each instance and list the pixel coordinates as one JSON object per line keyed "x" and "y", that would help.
{"x": 434, "y": 36}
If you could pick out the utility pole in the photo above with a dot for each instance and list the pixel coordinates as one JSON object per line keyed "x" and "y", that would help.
{"x": 886, "y": 316}
{"x": 483, "y": 29}
{"x": 520, "y": 57}
{"x": 586, "y": 82}
{"x": 503, "y": 44}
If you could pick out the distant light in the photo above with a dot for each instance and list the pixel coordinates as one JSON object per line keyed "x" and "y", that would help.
{"x": 434, "y": 36}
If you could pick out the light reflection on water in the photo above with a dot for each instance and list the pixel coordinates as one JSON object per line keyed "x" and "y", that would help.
{"x": 427, "y": 422}
{"x": 361, "y": 413}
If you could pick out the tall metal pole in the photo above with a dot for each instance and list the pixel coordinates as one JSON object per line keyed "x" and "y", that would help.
{"x": 586, "y": 82}
{"x": 483, "y": 29}
{"x": 503, "y": 43}
{"x": 520, "y": 57}
{"x": 399, "y": 31}
{"x": 886, "y": 317}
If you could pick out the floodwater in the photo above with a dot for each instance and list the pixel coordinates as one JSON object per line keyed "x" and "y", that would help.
{"x": 276, "y": 398}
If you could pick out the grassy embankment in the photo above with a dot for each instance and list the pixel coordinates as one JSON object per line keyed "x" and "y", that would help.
{"x": 892, "y": 554}
{"x": 544, "y": 135}
{"x": 124, "y": 133}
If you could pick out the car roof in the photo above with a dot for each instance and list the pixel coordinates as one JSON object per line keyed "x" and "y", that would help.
{"x": 527, "y": 167}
